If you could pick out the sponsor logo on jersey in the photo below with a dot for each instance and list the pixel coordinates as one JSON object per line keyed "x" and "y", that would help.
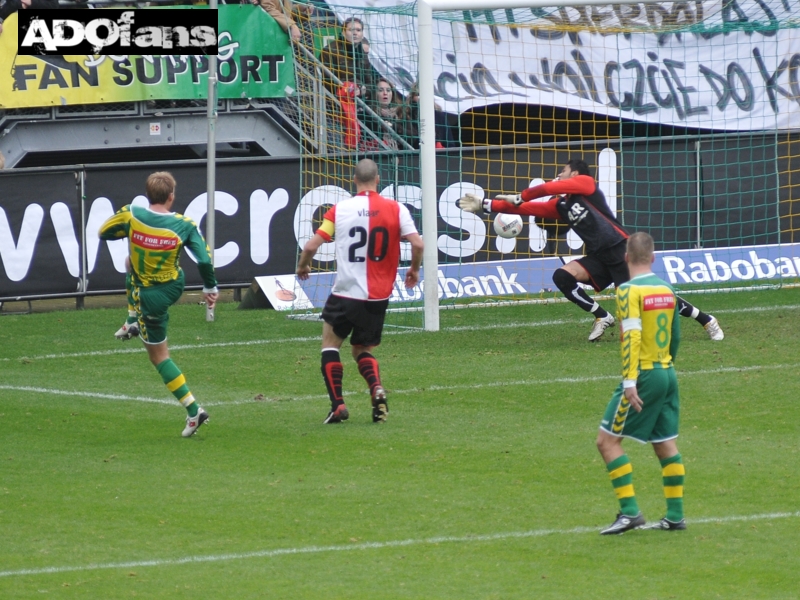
{"x": 576, "y": 214}
{"x": 659, "y": 302}
{"x": 153, "y": 242}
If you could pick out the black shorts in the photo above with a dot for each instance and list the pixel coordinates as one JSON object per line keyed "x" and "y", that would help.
{"x": 364, "y": 318}
{"x": 606, "y": 267}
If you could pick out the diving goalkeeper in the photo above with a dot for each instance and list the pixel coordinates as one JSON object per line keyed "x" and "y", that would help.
{"x": 576, "y": 199}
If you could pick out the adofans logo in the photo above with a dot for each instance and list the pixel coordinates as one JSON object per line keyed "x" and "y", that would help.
{"x": 118, "y": 32}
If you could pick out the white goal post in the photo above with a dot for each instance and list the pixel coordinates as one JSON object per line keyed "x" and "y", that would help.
{"x": 427, "y": 132}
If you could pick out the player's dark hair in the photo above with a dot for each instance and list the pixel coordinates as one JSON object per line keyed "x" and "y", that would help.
{"x": 352, "y": 20}
{"x": 159, "y": 186}
{"x": 576, "y": 164}
{"x": 640, "y": 248}
{"x": 366, "y": 171}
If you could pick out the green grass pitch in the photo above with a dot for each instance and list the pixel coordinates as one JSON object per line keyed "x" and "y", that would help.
{"x": 484, "y": 482}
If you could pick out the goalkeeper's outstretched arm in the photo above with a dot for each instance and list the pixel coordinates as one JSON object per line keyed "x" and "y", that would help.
{"x": 476, "y": 205}
{"x": 583, "y": 185}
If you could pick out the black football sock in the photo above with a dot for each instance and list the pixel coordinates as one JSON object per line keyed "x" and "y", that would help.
{"x": 332, "y": 372}
{"x": 568, "y": 285}
{"x": 368, "y": 367}
{"x": 687, "y": 310}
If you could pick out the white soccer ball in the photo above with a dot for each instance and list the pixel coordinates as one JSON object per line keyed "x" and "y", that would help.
{"x": 507, "y": 226}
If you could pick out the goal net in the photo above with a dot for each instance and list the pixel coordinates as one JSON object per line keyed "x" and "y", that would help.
{"x": 688, "y": 114}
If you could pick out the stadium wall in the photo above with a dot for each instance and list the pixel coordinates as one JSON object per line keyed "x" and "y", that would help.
{"x": 49, "y": 217}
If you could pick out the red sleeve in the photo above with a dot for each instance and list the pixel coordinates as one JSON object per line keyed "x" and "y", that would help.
{"x": 543, "y": 210}
{"x": 580, "y": 184}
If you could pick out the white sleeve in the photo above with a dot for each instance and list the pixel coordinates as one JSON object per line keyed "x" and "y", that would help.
{"x": 407, "y": 226}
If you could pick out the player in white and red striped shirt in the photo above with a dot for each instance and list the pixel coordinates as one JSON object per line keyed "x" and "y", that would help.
{"x": 367, "y": 230}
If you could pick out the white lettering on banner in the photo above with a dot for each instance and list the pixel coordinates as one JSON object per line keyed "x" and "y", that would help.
{"x": 452, "y": 215}
{"x": 742, "y": 269}
{"x": 744, "y": 79}
{"x": 67, "y": 33}
{"x": 262, "y": 208}
{"x": 786, "y": 268}
{"x": 449, "y": 287}
{"x": 227, "y": 205}
{"x": 500, "y": 283}
{"x": 100, "y": 210}
{"x": 713, "y": 270}
{"x": 720, "y": 271}
{"x": 65, "y": 235}
{"x": 17, "y": 257}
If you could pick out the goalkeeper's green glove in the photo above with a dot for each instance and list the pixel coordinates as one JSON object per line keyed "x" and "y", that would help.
{"x": 473, "y": 204}
{"x": 515, "y": 199}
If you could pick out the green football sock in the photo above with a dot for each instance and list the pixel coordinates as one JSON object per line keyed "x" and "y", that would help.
{"x": 673, "y": 473}
{"x": 176, "y": 383}
{"x": 620, "y": 471}
{"x": 129, "y": 295}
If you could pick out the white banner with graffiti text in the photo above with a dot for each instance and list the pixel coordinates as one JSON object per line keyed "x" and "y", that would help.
{"x": 745, "y": 79}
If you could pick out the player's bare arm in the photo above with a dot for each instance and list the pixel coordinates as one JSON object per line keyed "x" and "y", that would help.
{"x": 309, "y": 250}
{"x": 417, "y": 249}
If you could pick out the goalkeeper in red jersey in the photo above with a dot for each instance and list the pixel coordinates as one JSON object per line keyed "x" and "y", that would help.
{"x": 576, "y": 199}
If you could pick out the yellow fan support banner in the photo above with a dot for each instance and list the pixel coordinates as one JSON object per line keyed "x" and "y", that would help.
{"x": 255, "y": 61}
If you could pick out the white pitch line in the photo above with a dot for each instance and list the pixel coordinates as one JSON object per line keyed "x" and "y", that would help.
{"x": 430, "y": 388}
{"x": 316, "y": 338}
{"x": 496, "y": 384}
{"x": 140, "y": 349}
{"x": 38, "y": 390}
{"x": 757, "y": 309}
{"x": 368, "y": 546}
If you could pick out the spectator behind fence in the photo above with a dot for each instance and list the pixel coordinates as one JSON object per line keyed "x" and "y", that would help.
{"x": 284, "y": 12}
{"x": 446, "y": 125}
{"x": 386, "y": 104}
{"x": 387, "y": 101}
{"x": 12, "y": 6}
{"x": 348, "y": 59}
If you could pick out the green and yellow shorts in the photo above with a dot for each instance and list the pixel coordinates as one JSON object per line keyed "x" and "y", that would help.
{"x": 658, "y": 421}
{"x": 152, "y": 307}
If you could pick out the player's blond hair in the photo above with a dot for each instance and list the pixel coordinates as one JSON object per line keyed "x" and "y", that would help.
{"x": 640, "y": 248}
{"x": 159, "y": 186}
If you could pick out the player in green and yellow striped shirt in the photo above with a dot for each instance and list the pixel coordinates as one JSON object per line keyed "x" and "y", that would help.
{"x": 155, "y": 239}
{"x": 647, "y": 308}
